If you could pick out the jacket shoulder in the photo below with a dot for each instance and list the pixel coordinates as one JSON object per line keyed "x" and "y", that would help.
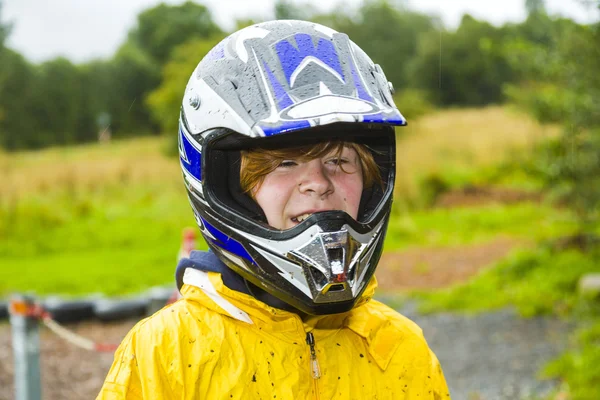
{"x": 413, "y": 353}
{"x": 162, "y": 343}
{"x": 404, "y": 324}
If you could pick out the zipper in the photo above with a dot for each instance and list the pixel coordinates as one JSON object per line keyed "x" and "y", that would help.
{"x": 314, "y": 363}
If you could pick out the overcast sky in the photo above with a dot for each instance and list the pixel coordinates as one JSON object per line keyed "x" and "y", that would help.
{"x": 84, "y": 29}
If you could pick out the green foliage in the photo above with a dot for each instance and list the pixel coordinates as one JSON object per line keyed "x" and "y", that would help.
{"x": 546, "y": 101}
{"x": 387, "y": 33}
{"x": 98, "y": 94}
{"x": 580, "y": 367}
{"x": 538, "y": 281}
{"x": 286, "y": 9}
{"x": 570, "y": 166}
{"x": 566, "y": 71}
{"x": 447, "y": 64}
{"x": 536, "y": 54}
{"x": 53, "y": 103}
{"x": 517, "y": 176}
{"x": 162, "y": 28}
{"x": 459, "y": 226}
{"x": 165, "y": 101}
{"x": 93, "y": 242}
{"x": 58, "y": 101}
{"x": 17, "y": 91}
{"x": 413, "y": 103}
{"x": 133, "y": 76}
{"x": 535, "y": 6}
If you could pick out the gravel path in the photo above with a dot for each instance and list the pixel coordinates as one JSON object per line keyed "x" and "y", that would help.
{"x": 486, "y": 357}
{"x": 493, "y": 356}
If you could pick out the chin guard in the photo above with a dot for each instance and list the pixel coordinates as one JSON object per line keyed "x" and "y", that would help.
{"x": 329, "y": 261}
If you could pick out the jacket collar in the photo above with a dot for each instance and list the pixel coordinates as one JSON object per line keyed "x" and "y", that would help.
{"x": 204, "y": 271}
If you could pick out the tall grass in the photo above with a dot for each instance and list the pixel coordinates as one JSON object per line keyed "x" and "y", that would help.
{"x": 94, "y": 218}
{"x": 462, "y": 142}
{"x": 85, "y": 168}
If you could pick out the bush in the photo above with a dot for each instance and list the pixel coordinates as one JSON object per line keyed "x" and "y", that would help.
{"x": 580, "y": 367}
{"x": 413, "y": 103}
{"x": 545, "y": 101}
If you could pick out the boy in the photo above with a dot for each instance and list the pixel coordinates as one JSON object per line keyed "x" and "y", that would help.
{"x": 287, "y": 148}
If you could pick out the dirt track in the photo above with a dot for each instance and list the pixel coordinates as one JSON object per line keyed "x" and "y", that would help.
{"x": 434, "y": 268}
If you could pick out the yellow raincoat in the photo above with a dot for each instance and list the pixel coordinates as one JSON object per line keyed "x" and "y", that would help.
{"x": 217, "y": 343}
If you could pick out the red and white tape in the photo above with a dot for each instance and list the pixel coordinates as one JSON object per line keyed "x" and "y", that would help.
{"x": 36, "y": 311}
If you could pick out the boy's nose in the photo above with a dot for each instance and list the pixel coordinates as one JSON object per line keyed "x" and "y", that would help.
{"x": 315, "y": 180}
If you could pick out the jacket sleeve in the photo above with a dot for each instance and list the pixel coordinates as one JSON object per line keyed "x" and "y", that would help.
{"x": 123, "y": 379}
{"x": 439, "y": 385}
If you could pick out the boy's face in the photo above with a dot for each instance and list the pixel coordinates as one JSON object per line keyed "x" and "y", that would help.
{"x": 296, "y": 189}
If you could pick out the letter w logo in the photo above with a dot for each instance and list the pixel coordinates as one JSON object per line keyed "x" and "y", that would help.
{"x": 293, "y": 61}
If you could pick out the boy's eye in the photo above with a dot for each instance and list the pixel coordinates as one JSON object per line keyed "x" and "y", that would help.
{"x": 287, "y": 163}
{"x": 338, "y": 160}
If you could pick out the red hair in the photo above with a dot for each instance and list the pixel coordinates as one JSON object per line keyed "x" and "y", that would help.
{"x": 257, "y": 163}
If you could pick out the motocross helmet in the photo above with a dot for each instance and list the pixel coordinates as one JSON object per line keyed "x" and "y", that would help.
{"x": 284, "y": 84}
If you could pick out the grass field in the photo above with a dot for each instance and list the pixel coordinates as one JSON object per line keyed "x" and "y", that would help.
{"x": 460, "y": 144}
{"x": 95, "y": 218}
{"x": 108, "y": 218}
{"x": 442, "y": 227}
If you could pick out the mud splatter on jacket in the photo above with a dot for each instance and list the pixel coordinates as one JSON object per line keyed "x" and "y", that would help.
{"x": 220, "y": 343}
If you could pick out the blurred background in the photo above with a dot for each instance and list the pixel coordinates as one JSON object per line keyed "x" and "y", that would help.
{"x": 498, "y": 188}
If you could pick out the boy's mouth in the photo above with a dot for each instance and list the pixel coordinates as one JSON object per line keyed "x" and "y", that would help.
{"x": 301, "y": 217}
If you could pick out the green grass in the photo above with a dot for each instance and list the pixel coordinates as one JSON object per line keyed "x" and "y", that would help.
{"x": 538, "y": 281}
{"x": 460, "y": 226}
{"x": 580, "y": 366}
{"x": 118, "y": 241}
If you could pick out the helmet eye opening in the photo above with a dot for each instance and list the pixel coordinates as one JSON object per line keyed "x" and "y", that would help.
{"x": 222, "y": 161}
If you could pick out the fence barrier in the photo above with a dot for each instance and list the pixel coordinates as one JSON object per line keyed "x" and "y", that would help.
{"x": 25, "y": 315}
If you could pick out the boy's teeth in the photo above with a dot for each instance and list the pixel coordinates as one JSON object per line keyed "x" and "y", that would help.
{"x": 302, "y": 217}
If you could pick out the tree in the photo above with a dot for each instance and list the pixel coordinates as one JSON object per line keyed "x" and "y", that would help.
{"x": 99, "y": 89}
{"x": 286, "y": 9}
{"x": 466, "y": 67}
{"x": 560, "y": 83}
{"x": 18, "y": 128}
{"x": 535, "y": 6}
{"x": 133, "y": 76}
{"x": 165, "y": 101}
{"x": 57, "y": 103}
{"x": 387, "y": 32}
{"x": 162, "y": 28}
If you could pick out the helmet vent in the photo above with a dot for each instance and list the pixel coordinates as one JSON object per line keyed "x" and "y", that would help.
{"x": 338, "y": 287}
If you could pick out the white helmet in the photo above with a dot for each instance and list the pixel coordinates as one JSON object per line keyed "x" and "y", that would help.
{"x": 286, "y": 83}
